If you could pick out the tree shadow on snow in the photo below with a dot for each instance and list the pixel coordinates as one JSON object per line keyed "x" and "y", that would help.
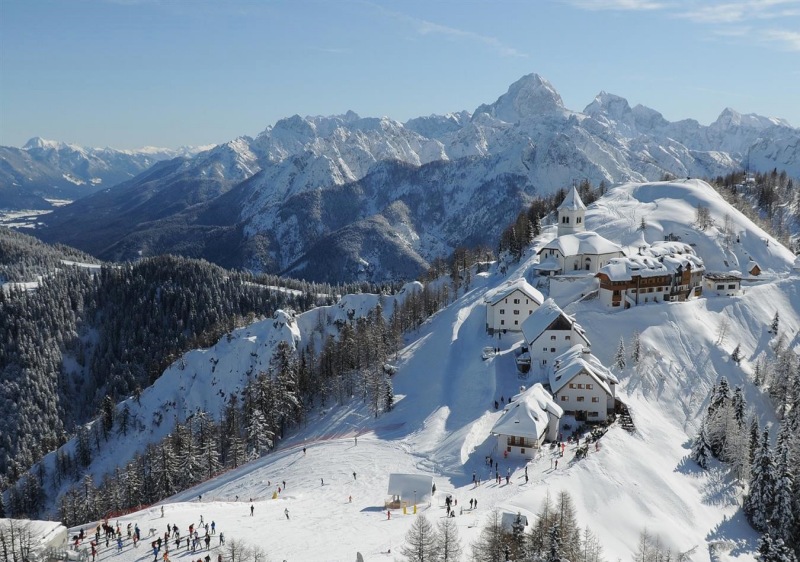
{"x": 688, "y": 467}
{"x": 735, "y": 535}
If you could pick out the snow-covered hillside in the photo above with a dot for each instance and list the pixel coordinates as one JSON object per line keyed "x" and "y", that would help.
{"x": 335, "y": 487}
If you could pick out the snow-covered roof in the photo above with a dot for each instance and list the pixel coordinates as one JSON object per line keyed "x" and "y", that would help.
{"x": 624, "y": 269}
{"x": 44, "y": 534}
{"x": 577, "y": 360}
{"x": 722, "y": 276}
{"x": 528, "y": 414}
{"x": 550, "y": 264}
{"x": 673, "y": 262}
{"x": 572, "y": 201}
{"x": 582, "y": 243}
{"x": 408, "y": 486}
{"x": 668, "y": 247}
{"x": 537, "y": 322}
{"x": 517, "y": 285}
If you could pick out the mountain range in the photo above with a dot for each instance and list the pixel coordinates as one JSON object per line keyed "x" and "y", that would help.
{"x": 344, "y": 198}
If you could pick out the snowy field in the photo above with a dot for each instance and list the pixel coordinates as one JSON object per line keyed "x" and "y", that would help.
{"x": 444, "y": 412}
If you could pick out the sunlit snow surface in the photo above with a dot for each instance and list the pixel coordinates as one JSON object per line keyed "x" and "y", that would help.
{"x": 445, "y": 409}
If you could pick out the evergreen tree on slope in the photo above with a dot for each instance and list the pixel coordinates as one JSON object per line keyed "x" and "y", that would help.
{"x": 758, "y": 502}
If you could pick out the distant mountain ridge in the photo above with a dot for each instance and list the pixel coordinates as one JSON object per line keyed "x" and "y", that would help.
{"x": 45, "y": 169}
{"x": 387, "y": 197}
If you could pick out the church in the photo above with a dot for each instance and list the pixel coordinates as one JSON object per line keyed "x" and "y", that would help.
{"x": 575, "y": 249}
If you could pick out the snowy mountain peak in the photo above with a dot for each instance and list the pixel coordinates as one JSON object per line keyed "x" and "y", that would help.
{"x": 529, "y": 96}
{"x": 731, "y": 118}
{"x": 45, "y": 144}
{"x": 611, "y": 105}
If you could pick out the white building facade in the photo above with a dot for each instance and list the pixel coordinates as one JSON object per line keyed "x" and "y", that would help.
{"x": 582, "y": 386}
{"x": 549, "y": 332}
{"x": 508, "y": 308}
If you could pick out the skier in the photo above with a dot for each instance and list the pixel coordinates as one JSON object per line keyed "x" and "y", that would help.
{"x": 213, "y": 527}
{"x": 222, "y": 538}
{"x": 321, "y": 482}
{"x": 252, "y": 508}
{"x": 208, "y": 542}
{"x": 162, "y": 511}
{"x": 388, "y": 514}
{"x": 354, "y": 475}
{"x": 286, "y": 512}
{"x": 304, "y": 451}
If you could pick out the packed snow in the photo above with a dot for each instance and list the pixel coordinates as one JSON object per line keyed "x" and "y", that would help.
{"x": 336, "y": 468}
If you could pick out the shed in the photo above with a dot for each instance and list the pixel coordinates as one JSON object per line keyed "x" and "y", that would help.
{"x": 405, "y": 488}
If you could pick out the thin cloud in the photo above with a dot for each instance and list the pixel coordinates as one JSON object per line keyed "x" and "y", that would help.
{"x": 425, "y": 27}
{"x": 786, "y": 40}
{"x": 619, "y": 5}
{"x": 746, "y": 10}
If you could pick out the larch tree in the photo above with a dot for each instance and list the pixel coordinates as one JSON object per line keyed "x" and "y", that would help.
{"x": 421, "y": 542}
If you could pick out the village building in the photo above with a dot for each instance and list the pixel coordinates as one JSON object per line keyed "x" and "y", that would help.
{"x": 582, "y": 386}
{"x": 753, "y": 268}
{"x": 548, "y": 332}
{"x": 723, "y": 284}
{"x": 530, "y": 418}
{"x": 510, "y": 305}
{"x": 642, "y": 279}
{"x": 575, "y": 249}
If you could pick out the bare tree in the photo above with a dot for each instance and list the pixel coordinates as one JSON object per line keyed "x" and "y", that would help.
{"x": 16, "y": 540}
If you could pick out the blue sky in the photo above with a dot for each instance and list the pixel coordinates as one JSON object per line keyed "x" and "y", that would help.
{"x": 128, "y": 73}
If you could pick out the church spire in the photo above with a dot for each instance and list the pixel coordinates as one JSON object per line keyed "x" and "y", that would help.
{"x": 571, "y": 213}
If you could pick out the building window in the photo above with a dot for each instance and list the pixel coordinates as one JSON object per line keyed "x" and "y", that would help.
{"x": 552, "y": 338}
{"x": 579, "y": 220}
{"x": 595, "y": 399}
{"x": 731, "y": 286}
{"x": 530, "y": 312}
{"x": 502, "y": 322}
{"x": 516, "y": 322}
{"x": 589, "y": 386}
{"x": 571, "y": 385}
{"x": 552, "y": 350}
{"x": 563, "y": 398}
{"x": 544, "y": 349}
{"x": 567, "y": 338}
{"x": 720, "y": 287}
{"x": 565, "y": 220}
{"x": 516, "y": 301}
{"x": 580, "y": 398}
{"x": 580, "y": 385}
{"x": 502, "y": 311}
{"x": 594, "y": 414}
{"x": 516, "y": 312}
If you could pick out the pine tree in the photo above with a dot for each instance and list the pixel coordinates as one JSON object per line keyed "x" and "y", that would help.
{"x": 619, "y": 358}
{"x": 773, "y": 328}
{"x": 636, "y": 352}
{"x": 421, "y": 541}
{"x": 388, "y": 398}
{"x": 758, "y": 502}
{"x": 783, "y": 519}
{"x": 736, "y": 356}
{"x": 554, "y": 542}
{"x": 700, "y": 450}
